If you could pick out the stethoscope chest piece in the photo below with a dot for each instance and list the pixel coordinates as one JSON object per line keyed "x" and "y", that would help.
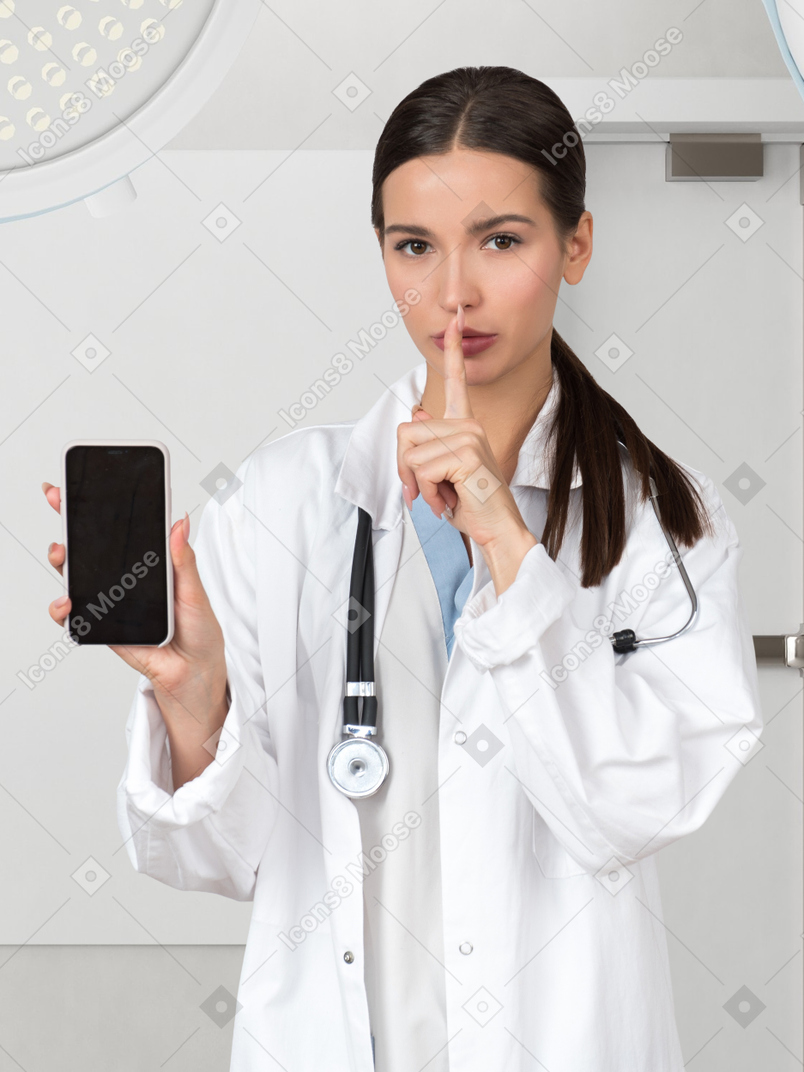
{"x": 357, "y": 767}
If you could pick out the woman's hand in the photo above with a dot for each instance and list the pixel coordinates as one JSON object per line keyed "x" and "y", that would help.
{"x": 188, "y": 674}
{"x": 451, "y": 462}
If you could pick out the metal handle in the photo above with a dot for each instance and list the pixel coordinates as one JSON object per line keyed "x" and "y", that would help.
{"x": 785, "y": 650}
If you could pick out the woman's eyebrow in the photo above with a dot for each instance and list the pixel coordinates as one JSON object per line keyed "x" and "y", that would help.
{"x": 475, "y": 228}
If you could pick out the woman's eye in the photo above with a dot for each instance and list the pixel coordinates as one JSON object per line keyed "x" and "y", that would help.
{"x": 512, "y": 239}
{"x": 411, "y": 242}
{"x": 505, "y": 238}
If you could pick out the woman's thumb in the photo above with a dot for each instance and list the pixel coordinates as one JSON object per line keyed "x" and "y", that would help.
{"x": 186, "y": 581}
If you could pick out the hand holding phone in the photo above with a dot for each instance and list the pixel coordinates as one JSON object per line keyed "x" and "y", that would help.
{"x": 189, "y": 673}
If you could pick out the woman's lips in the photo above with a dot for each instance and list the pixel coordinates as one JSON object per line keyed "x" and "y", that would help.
{"x": 472, "y": 344}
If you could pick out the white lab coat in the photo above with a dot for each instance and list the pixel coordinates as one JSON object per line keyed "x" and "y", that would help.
{"x": 600, "y": 764}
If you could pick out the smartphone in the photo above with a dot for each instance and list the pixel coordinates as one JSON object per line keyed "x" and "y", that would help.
{"x": 115, "y": 510}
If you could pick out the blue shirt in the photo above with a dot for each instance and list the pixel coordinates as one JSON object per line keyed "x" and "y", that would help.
{"x": 448, "y": 561}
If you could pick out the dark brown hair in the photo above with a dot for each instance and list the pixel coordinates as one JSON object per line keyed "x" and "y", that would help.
{"x": 503, "y": 110}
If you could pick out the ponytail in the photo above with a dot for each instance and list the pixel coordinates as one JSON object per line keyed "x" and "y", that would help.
{"x": 585, "y": 429}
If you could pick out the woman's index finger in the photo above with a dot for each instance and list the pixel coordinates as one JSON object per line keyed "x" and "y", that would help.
{"x": 456, "y": 393}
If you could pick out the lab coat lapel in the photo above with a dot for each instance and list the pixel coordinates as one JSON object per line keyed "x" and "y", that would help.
{"x": 368, "y": 475}
{"x": 369, "y": 478}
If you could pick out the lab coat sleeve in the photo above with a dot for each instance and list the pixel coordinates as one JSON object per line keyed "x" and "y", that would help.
{"x": 211, "y": 833}
{"x": 625, "y": 753}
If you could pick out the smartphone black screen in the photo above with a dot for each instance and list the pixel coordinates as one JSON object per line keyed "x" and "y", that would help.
{"x": 116, "y": 568}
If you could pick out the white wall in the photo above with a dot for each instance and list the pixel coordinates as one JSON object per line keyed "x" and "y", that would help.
{"x": 279, "y": 91}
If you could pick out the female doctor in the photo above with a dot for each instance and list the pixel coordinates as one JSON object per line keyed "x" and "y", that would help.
{"x": 494, "y": 904}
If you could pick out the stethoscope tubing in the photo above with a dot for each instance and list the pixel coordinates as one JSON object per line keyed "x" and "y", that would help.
{"x": 360, "y": 640}
{"x": 640, "y": 641}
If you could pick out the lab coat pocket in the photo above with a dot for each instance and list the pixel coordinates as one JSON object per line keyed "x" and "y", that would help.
{"x": 553, "y": 859}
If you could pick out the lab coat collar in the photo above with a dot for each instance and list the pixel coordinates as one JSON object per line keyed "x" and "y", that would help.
{"x": 369, "y": 476}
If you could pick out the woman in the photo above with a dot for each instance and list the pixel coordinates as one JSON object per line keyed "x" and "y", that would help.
{"x": 495, "y": 903}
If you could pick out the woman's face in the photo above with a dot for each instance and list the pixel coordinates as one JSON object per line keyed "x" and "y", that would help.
{"x": 506, "y": 275}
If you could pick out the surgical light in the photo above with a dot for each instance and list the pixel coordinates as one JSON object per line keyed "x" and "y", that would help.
{"x": 91, "y": 89}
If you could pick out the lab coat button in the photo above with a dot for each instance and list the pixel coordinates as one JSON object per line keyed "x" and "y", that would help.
{"x": 465, "y": 948}
{"x": 348, "y": 956}
{"x": 459, "y": 737}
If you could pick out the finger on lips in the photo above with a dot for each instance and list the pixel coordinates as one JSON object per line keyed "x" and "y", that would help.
{"x": 456, "y": 393}
{"x": 457, "y": 406}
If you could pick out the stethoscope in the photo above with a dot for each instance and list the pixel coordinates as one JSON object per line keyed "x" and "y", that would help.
{"x": 358, "y": 765}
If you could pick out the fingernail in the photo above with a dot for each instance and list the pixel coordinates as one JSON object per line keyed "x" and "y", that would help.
{"x": 44, "y": 485}
{"x": 61, "y": 601}
{"x": 406, "y": 496}
{"x": 185, "y": 527}
{"x": 50, "y": 548}
{"x": 461, "y": 319}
